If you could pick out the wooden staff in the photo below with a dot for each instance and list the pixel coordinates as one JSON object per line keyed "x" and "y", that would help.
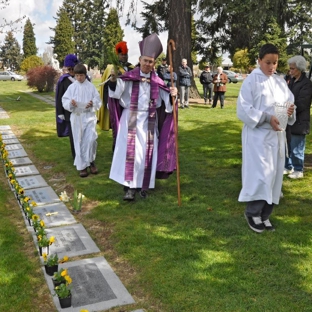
{"x": 171, "y": 46}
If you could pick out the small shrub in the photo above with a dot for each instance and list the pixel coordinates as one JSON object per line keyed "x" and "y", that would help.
{"x": 42, "y": 78}
{"x": 31, "y": 62}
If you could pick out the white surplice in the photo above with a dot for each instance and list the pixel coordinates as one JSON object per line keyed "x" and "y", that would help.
{"x": 83, "y": 121}
{"x": 263, "y": 148}
{"x": 123, "y": 93}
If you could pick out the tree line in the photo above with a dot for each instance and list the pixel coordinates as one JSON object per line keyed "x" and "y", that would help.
{"x": 201, "y": 29}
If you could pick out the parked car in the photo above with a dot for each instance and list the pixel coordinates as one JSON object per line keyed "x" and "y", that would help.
{"x": 233, "y": 77}
{"x": 8, "y": 75}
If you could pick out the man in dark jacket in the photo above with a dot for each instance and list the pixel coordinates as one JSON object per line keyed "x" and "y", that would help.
{"x": 162, "y": 68}
{"x": 185, "y": 75}
{"x": 206, "y": 80}
{"x": 301, "y": 87}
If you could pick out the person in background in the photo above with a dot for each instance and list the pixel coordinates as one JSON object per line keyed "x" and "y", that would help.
{"x": 63, "y": 116}
{"x": 219, "y": 81}
{"x": 206, "y": 80}
{"x": 185, "y": 75}
{"x": 167, "y": 77}
{"x": 301, "y": 87}
{"x": 109, "y": 116}
{"x": 263, "y": 140}
{"x": 162, "y": 68}
{"x": 145, "y": 145}
{"x": 83, "y": 100}
{"x": 104, "y": 117}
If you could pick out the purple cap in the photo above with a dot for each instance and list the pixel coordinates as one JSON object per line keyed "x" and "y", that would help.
{"x": 151, "y": 46}
{"x": 70, "y": 60}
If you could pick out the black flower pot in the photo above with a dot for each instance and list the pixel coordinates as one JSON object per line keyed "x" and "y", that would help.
{"x": 50, "y": 270}
{"x": 65, "y": 302}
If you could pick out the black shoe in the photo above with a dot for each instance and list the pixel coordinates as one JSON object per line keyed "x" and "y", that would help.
{"x": 255, "y": 223}
{"x": 143, "y": 194}
{"x": 268, "y": 225}
{"x": 130, "y": 195}
{"x": 181, "y": 107}
{"x": 186, "y": 106}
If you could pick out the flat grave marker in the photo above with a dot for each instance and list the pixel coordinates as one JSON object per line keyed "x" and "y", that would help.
{"x": 43, "y": 196}
{"x": 21, "y": 161}
{"x": 26, "y": 171}
{"x": 95, "y": 286}
{"x": 17, "y": 153}
{"x": 10, "y": 141}
{"x": 31, "y": 182}
{"x": 55, "y": 215}
{"x": 71, "y": 240}
{"x": 13, "y": 147}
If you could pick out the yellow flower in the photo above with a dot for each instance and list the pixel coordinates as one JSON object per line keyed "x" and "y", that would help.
{"x": 84, "y": 311}
{"x": 39, "y": 237}
{"x": 64, "y": 273}
{"x": 21, "y": 190}
{"x": 26, "y": 199}
{"x": 41, "y": 223}
{"x": 52, "y": 240}
{"x": 68, "y": 279}
{"x": 33, "y": 203}
{"x": 35, "y": 217}
{"x": 45, "y": 256}
{"x": 65, "y": 259}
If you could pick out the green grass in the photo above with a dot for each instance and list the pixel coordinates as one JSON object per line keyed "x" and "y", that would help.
{"x": 198, "y": 257}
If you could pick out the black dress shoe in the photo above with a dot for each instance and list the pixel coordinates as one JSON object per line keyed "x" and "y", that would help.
{"x": 130, "y": 195}
{"x": 143, "y": 194}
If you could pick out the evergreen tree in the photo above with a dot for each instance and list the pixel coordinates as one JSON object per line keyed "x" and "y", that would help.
{"x": 62, "y": 41}
{"x": 112, "y": 34}
{"x": 29, "y": 40}
{"x": 11, "y": 52}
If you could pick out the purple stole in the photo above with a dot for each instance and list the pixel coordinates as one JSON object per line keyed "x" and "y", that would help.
{"x": 156, "y": 82}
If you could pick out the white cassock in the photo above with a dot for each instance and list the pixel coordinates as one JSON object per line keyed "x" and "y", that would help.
{"x": 123, "y": 93}
{"x": 263, "y": 148}
{"x": 83, "y": 121}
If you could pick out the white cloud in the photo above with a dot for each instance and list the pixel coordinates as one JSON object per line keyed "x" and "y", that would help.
{"x": 41, "y": 13}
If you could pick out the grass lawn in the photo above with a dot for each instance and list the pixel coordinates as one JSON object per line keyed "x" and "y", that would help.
{"x": 200, "y": 257}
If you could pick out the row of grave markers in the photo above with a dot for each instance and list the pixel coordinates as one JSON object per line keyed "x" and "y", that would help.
{"x": 95, "y": 286}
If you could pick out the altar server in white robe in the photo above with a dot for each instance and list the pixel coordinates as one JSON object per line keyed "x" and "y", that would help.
{"x": 263, "y": 139}
{"x": 83, "y": 100}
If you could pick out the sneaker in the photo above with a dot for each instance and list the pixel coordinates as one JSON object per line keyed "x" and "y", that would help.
{"x": 130, "y": 195}
{"x": 255, "y": 223}
{"x": 186, "y": 106}
{"x": 296, "y": 175}
{"x": 288, "y": 171}
{"x": 268, "y": 225}
{"x": 182, "y": 107}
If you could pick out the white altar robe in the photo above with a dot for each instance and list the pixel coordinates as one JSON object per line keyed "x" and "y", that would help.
{"x": 83, "y": 121}
{"x": 123, "y": 93}
{"x": 263, "y": 148}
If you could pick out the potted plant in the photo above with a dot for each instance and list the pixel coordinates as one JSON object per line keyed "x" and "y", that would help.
{"x": 59, "y": 277}
{"x": 44, "y": 242}
{"x": 50, "y": 263}
{"x": 63, "y": 292}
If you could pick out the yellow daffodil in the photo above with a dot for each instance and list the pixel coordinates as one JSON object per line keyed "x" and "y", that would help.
{"x": 64, "y": 197}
